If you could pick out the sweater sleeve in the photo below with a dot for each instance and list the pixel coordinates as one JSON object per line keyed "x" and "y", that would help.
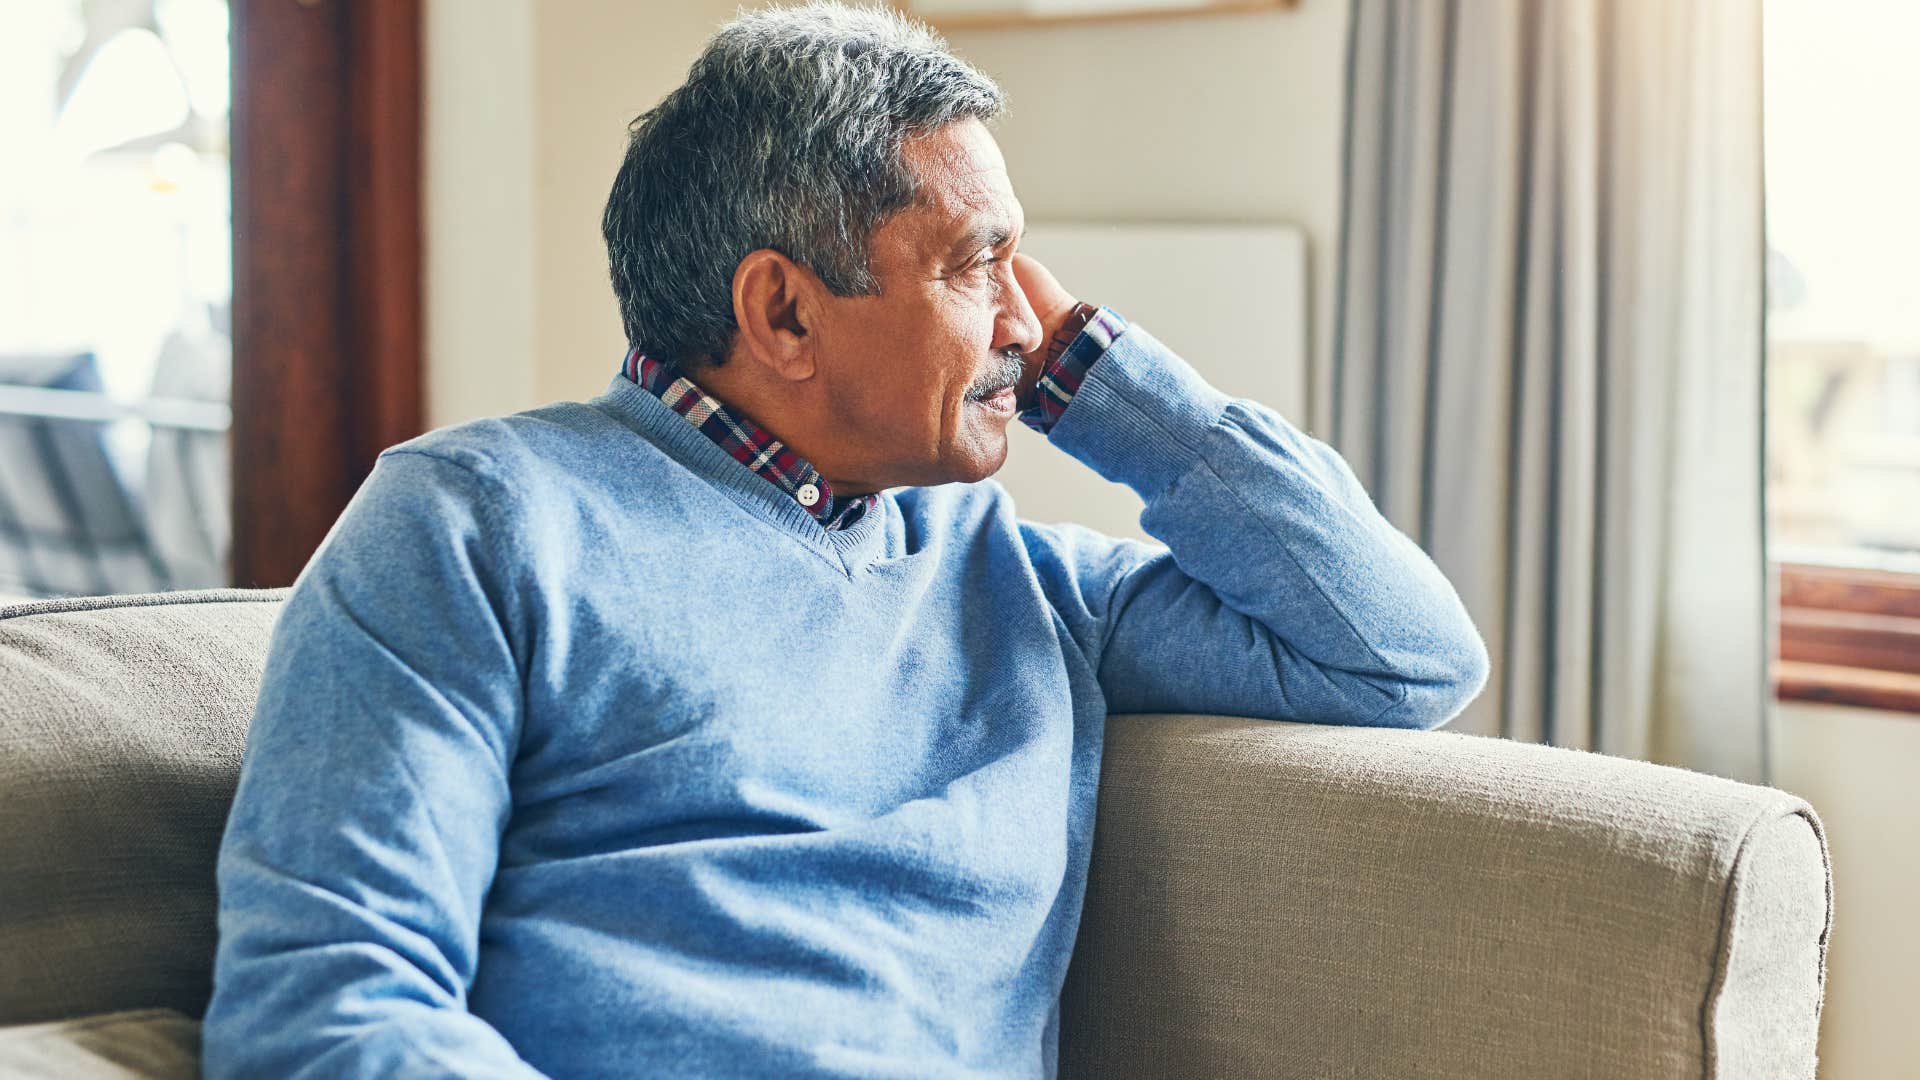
{"x": 1282, "y": 593}
{"x": 373, "y": 792}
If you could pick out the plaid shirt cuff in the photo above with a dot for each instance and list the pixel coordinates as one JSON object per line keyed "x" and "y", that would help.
{"x": 1080, "y": 341}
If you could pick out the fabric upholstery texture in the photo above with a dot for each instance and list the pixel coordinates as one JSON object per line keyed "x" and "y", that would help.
{"x": 1292, "y": 900}
{"x": 1266, "y": 899}
{"x": 151, "y": 1044}
{"x": 121, "y": 726}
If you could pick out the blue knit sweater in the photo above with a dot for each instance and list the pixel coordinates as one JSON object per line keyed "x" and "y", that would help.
{"x": 582, "y": 750}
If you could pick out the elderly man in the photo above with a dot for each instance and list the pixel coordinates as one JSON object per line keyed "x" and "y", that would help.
{"x": 732, "y": 723}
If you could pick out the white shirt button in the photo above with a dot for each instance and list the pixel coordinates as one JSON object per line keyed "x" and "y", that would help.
{"x": 808, "y": 494}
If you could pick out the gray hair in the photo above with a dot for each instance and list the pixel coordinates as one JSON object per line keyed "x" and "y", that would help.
{"x": 786, "y": 135}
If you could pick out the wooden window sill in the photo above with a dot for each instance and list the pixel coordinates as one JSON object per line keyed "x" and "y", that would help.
{"x": 1861, "y": 688}
{"x": 1849, "y": 637}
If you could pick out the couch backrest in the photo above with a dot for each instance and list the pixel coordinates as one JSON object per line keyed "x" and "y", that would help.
{"x": 122, "y": 723}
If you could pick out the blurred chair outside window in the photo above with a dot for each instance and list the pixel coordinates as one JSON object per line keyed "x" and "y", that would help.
{"x": 115, "y": 294}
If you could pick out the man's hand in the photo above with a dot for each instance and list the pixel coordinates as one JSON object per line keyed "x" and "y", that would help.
{"x": 1052, "y": 304}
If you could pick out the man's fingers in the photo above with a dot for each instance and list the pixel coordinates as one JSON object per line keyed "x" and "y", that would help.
{"x": 1030, "y": 274}
{"x": 1050, "y": 301}
{"x": 1043, "y": 290}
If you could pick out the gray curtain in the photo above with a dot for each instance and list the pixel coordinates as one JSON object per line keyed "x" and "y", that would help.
{"x": 1548, "y": 353}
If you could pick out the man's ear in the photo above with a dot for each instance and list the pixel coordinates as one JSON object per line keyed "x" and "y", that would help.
{"x": 773, "y": 302}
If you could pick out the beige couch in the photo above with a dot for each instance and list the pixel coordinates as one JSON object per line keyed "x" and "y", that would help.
{"x": 1266, "y": 899}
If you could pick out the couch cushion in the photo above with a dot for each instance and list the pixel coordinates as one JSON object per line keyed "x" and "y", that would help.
{"x": 148, "y": 1044}
{"x": 122, "y": 722}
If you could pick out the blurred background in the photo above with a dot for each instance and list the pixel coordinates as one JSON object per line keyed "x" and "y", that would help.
{"x": 116, "y": 281}
{"x": 1613, "y": 305}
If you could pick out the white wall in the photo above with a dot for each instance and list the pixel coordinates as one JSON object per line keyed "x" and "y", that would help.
{"x": 1859, "y": 767}
{"x": 478, "y": 187}
{"x": 1224, "y": 118}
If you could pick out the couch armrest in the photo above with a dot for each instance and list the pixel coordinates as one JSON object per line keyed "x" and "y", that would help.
{"x": 1276, "y": 899}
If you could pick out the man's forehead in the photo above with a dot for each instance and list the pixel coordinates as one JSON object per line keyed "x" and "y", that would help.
{"x": 958, "y": 169}
{"x": 964, "y": 198}
{"x": 961, "y": 148}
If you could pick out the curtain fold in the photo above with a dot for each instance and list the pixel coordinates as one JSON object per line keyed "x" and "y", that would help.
{"x": 1548, "y": 353}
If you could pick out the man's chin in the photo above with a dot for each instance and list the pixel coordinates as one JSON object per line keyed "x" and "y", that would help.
{"x": 984, "y": 459}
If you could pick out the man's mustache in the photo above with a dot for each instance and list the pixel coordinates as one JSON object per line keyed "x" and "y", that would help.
{"x": 1011, "y": 364}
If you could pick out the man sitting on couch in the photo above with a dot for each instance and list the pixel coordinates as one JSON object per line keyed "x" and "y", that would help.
{"x": 731, "y": 723}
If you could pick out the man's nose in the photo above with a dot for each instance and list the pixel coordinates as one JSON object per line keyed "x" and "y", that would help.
{"x": 1021, "y": 325}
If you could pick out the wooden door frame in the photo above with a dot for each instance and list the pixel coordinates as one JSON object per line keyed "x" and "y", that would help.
{"x": 327, "y": 264}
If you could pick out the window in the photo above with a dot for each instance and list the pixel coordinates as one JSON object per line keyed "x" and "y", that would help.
{"x": 176, "y": 168}
{"x": 1843, "y": 409}
{"x": 115, "y": 293}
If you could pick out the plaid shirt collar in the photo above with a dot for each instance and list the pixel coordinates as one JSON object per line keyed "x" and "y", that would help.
{"x": 749, "y": 443}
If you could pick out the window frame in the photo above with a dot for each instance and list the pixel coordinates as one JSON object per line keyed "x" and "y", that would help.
{"x": 327, "y": 265}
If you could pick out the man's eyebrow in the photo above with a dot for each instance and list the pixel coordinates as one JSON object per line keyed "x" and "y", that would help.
{"x": 982, "y": 234}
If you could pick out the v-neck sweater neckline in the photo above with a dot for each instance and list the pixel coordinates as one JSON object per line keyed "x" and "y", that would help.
{"x": 852, "y": 549}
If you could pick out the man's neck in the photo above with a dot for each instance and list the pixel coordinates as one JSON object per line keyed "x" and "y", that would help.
{"x": 746, "y": 392}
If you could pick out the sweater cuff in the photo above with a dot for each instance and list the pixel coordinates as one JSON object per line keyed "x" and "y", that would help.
{"x": 1141, "y": 415}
